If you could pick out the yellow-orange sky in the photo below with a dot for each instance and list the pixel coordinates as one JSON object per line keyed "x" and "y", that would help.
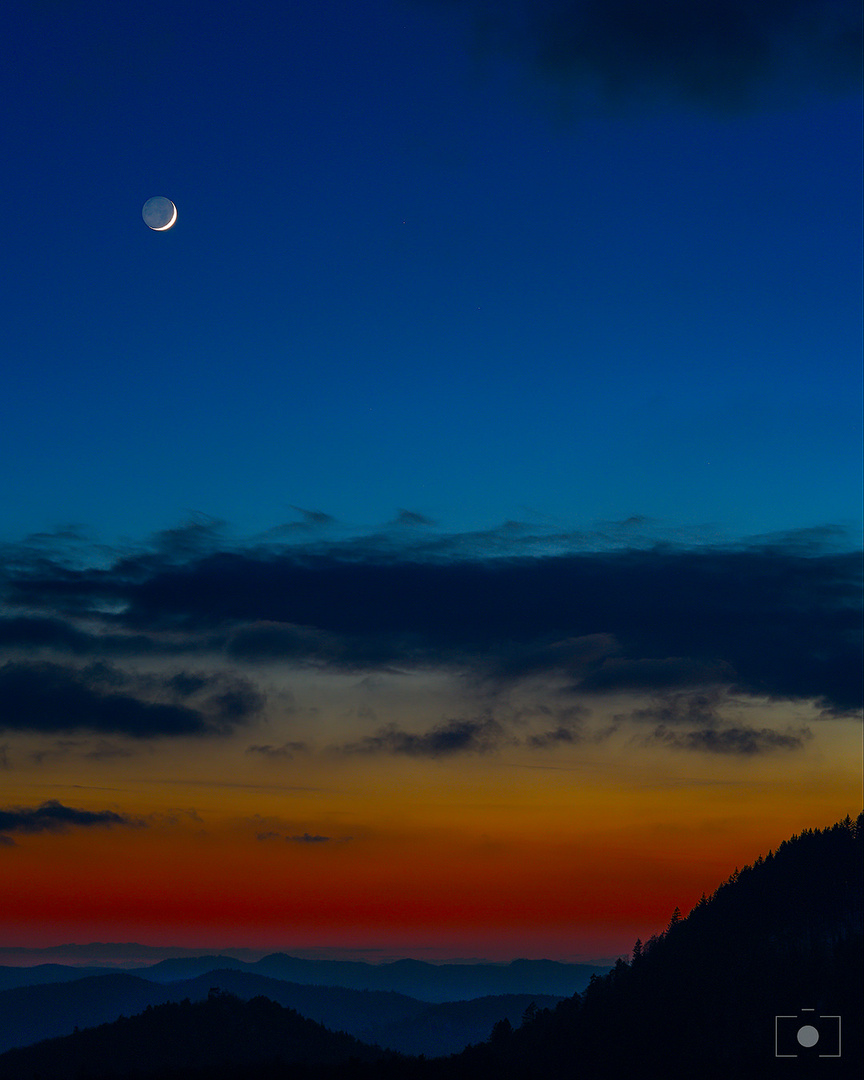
{"x": 569, "y": 852}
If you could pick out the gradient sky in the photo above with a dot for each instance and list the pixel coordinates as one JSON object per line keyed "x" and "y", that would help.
{"x": 444, "y": 540}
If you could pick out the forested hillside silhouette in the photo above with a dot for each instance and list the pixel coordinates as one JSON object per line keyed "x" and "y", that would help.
{"x": 29, "y": 1014}
{"x": 220, "y": 1036}
{"x": 699, "y": 1000}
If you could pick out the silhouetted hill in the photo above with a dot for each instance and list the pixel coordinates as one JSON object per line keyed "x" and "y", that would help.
{"x": 188, "y": 967}
{"x": 40, "y": 974}
{"x": 780, "y": 939}
{"x": 449, "y": 1027}
{"x": 190, "y": 1039}
{"x": 29, "y": 1014}
{"x": 393, "y": 1021}
{"x": 337, "y": 1008}
{"x": 700, "y": 1000}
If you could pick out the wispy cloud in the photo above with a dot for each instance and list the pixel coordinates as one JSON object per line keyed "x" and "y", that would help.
{"x": 686, "y": 708}
{"x": 746, "y": 741}
{"x": 303, "y": 838}
{"x": 703, "y": 721}
{"x": 286, "y": 750}
{"x": 555, "y": 737}
{"x": 477, "y": 736}
{"x": 413, "y": 519}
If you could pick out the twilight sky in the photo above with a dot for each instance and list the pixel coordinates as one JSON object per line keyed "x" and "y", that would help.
{"x": 444, "y": 540}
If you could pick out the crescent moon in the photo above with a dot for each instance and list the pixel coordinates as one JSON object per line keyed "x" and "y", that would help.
{"x": 163, "y": 228}
{"x": 159, "y": 213}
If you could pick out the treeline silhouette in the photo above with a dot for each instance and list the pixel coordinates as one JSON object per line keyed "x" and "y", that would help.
{"x": 699, "y": 1000}
{"x": 221, "y": 1036}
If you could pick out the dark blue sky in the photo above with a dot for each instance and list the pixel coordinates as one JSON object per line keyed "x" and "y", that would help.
{"x": 470, "y": 480}
{"x": 434, "y": 258}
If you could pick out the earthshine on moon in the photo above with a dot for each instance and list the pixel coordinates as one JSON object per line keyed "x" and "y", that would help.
{"x": 159, "y": 213}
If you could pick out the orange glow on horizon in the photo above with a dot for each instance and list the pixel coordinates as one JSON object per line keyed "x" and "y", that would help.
{"x": 506, "y": 855}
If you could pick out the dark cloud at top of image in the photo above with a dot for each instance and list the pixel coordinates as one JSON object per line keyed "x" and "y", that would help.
{"x": 658, "y": 673}
{"x": 35, "y": 633}
{"x": 776, "y": 617}
{"x": 53, "y": 816}
{"x": 721, "y": 55}
{"x": 40, "y": 635}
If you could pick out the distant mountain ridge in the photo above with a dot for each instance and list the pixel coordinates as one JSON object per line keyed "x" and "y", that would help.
{"x": 781, "y": 939}
{"x": 192, "y": 1040}
{"x": 42, "y": 974}
{"x": 113, "y": 954}
{"x": 415, "y": 978}
{"x": 31, "y": 1013}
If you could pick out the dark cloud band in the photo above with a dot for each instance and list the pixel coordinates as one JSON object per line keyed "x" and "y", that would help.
{"x": 49, "y": 698}
{"x": 779, "y": 619}
{"x": 770, "y": 620}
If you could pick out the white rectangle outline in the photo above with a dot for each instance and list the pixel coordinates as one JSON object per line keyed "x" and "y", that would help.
{"x": 839, "y": 1041}
{"x": 777, "y": 1035}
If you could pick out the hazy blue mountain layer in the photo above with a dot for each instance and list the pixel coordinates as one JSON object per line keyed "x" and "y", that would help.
{"x": 31, "y": 1013}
